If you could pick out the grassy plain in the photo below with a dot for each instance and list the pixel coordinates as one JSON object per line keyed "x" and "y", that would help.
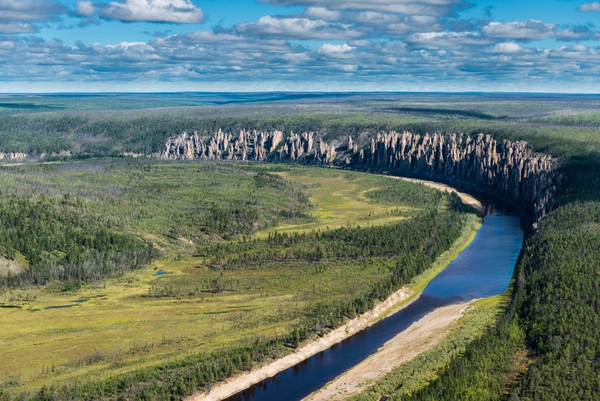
{"x": 120, "y": 324}
{"x": 340, "y": 198}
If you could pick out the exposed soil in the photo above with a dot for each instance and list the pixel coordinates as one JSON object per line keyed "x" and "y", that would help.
{"x": 419, "y": 337}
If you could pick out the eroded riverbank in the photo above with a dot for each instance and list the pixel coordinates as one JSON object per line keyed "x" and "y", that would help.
{"x": 416, "y": 339}
{"x": 396, "y": 302}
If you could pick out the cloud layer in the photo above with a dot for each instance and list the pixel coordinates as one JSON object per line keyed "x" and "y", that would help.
{"x": 379, "y": 44}
{"x": 175, "y": 11}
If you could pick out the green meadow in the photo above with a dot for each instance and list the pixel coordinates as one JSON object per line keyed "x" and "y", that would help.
{"x": 241, "y": 256}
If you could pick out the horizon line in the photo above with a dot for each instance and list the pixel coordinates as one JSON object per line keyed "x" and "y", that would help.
{"x": 325, "y": 92}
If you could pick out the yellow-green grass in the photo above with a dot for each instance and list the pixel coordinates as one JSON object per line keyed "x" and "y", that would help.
{"x": 120, "y": 328}
{"x": 339, "y": 199}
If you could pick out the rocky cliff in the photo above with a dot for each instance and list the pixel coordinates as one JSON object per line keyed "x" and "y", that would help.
{"x": 508, "y": 169}
{"x": 249, "y": 145}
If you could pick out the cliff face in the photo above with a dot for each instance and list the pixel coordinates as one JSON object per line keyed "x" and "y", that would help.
{"x": 508, "y": 169}
{"x": 246, "y": 145}
{"x": 249, "y": 145}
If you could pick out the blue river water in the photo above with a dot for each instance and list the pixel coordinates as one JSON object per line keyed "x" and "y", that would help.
{"x": 483, "y": 269}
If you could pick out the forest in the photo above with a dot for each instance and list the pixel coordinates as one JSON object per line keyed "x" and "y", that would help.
{"x": 542, "y": 344}
{"x": 272, "y": 255}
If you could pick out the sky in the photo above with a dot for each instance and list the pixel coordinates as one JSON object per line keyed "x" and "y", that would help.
{"x": 300, "y": 45}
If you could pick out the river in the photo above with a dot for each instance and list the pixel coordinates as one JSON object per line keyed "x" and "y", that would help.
{"x": 482, "y": 270}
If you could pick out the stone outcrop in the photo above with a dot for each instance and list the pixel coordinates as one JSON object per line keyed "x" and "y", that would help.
{"x": 245, "y": 145}
{"x": 249, "y": 145}
{"x": 13, "y": 156}
{"x": 508, "y": 169}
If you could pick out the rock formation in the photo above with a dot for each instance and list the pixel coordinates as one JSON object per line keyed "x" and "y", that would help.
{"x": 246, "y": 145}
{"x": 13, "y": 156}
{"x": 249, "y": 145}
{"x": 508, "y": 169}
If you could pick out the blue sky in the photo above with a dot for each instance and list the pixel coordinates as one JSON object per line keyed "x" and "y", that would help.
{"x": 299, "y": 45}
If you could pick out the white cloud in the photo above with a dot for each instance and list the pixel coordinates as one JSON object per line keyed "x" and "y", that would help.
{"x": 375, "y": 17}
{"x": 296, "y": 58}
{"x": 175, "y": 11}
{"x": 322, "y": 13}
{"x": 409, "y": 25}
{"x": 29, "y": 10}
{"x": 418, "y": 7}
{"x": 581, "y": 32}
{"x": 334, "y": 50}
{"x": 519, "y": 30}
{"x": 507, "y": 48}
{"x": 594, "y": 6}
{"x": 348, "y": 67}
{"x": 299, "y": 28}
{"x": 358, "y": 42}
{"x": 579, "y": 48}
{"x": 85, "y": 9}
{"x": 441, "y": 40}
{"x": 130, "y": 45}
{"x": 17, "y": 27}
{"x": 422, "y": 20}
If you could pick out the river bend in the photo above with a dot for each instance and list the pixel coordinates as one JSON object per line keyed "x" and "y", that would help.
{"x": 482, "y": 270}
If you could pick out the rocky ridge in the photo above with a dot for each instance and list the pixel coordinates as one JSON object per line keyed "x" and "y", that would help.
{"x": 249, "y": 145}
{"x": 508, "y": 169}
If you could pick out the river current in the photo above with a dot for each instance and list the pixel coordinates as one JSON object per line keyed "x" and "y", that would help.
{"x": 482, "y": 270}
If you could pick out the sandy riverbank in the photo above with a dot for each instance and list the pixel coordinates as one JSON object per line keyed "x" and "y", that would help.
{"x": 392, "y": 304}
{"x": 246, "y": 379}
{"x": 466, "y": 198}
{"x": 419, "y": 337}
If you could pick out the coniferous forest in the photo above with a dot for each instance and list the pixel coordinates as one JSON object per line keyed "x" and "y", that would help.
{"x": 252, "y": 255}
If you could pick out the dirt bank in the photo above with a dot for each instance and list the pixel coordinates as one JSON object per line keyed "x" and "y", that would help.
{"x": 419, "y": 337}
{"x": 392, "y": 304}
{"x": 466, "y": 198}
{"x": 246, "y": 379}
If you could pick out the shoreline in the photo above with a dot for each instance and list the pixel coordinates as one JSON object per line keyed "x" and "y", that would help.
{"x": 240, "y": 382}
{"x": 465, "y": 197}
{"x": 395, "y": 302}
{"x": 420, "y": 336}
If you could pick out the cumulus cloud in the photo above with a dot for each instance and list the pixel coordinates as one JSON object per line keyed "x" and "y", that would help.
{"x": 375, "y": 17}
{"x": 445, "y": 40}
{"x": 419, "y": 7}
{"x": 586, "y": 7}
{"x": 519, "y": 30}
{"x": 29, "y": 10}
{"x": 322, "y": 13}
{"x": 206, "y": 56}
{"x": 413, "y": 23}
{"x": 507, "y": 48}
{"x": 17, "y": 27}
{"x": 329, "y": 49}
{"x": 535, "y": 30}
{"x": 299, "y": 28}
{"x": 580, "y": 32}
{"x": 358, "y": 41}
{"x": 174, "y": 11}
{"x": 85, "y": 9}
